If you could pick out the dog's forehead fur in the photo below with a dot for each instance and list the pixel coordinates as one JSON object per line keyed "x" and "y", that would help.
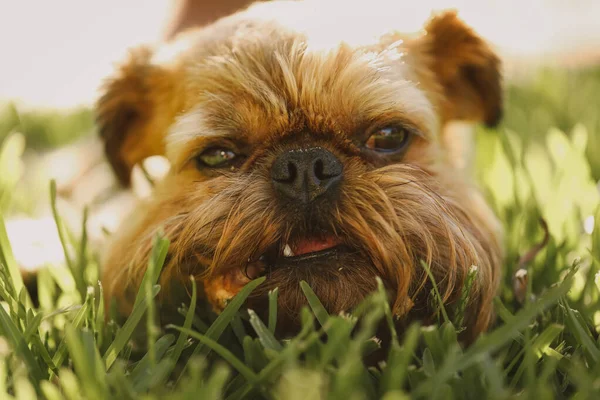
{"x": 261, "y": 78}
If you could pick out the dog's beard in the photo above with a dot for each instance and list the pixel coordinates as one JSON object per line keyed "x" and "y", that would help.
{"x": 388, "y": 221}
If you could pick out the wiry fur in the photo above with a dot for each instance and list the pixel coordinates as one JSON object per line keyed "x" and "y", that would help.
{"x": 260, "y": 88}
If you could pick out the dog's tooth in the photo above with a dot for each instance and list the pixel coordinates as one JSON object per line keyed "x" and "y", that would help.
{"x": 287, "y": 251}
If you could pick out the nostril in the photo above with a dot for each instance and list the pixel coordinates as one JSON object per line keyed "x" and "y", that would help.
{"x": 292, "y": 172}
{"x": 284, "y": 171}
{"x": 318, "y": 169}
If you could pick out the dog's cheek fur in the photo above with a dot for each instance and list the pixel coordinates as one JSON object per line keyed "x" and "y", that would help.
{"x": 213, "y": 227}
{"x": 439, "y": 221}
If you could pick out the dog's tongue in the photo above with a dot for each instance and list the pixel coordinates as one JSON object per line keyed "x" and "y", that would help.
{"x": 311, "y": 245}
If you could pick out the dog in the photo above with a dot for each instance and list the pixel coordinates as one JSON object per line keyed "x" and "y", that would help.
{"x": 298, "y": 154}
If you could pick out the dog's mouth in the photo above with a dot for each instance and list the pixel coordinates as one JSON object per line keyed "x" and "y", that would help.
{"x": 287, "y": 261}
{"x": 302, "y": 250}
{"x": 309, "y": 248}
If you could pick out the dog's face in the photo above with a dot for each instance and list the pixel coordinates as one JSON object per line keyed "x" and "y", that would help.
{"x": 302, "y": 163}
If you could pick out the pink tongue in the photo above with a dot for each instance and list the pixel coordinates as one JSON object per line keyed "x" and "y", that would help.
{"x": 305, "y": 246}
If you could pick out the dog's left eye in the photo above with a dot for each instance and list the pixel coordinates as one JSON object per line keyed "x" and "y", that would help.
{"x": 390, "y": 139}
{"x": 216, "y": 157}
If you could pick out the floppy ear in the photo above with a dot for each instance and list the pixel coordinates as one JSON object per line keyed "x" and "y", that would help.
{"x": 466, "y": 68}
{"x": 135, "y": 111}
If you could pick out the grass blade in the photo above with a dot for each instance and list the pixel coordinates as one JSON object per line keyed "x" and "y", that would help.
{"x": 19, "y": 345}
{"x": 61, "y": 353}
{"x": 315, "y": 304}
{"x": 187, "y": 324}
{"x": 7, "y": 259}
{"x": 125, "y": 333}
{"x": 87, "y": 362}
{"x": 272, "y": 324}
{"x": 222, "y": 351}
{"x": 583, "y": 335}
{"x": 438, "y": 296}
{"x": 217, "y": 328}
{"x": 264, "y": 334}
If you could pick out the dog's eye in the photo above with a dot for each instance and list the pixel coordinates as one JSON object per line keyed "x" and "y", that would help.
{"x": 390, "y": 139}
{"x": 216, "y": 157}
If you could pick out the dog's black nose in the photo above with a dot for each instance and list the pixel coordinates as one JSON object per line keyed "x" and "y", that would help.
{"x": 305, "y": 174}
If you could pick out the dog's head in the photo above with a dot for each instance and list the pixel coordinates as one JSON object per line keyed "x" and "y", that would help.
{"x": 304, "y": 161}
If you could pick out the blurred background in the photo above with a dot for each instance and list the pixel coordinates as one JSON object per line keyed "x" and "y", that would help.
{"x": 55, "y": 55}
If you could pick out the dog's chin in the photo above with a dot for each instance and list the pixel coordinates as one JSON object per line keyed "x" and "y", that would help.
{"x": 340, "y": 276}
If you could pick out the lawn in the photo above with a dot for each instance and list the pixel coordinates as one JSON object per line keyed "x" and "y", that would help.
{"x": 539, "y": 170}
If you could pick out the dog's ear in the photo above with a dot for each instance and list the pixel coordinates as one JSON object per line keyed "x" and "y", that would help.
{"x": 466, "y": 68}
{"x": 134, "y": 112}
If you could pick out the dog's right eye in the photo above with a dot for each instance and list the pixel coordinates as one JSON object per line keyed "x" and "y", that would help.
{"x": 216, "y": 157}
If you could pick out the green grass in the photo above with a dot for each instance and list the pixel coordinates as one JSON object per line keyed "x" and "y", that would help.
{"x": 45, "y": 129}
{"x": 543, "y": 162}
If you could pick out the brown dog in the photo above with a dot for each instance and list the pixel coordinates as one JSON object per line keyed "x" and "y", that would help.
{"x": 301, "y": 156}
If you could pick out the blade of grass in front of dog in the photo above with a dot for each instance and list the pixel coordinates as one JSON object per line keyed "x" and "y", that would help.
{"x": 582, "y": 335}
{"x": 496, "y": 339}
{"x": 187, "y": 324}
{"x": 8, "y": 260}
{"x": 32, "y": 326}
{"x": 541, "y": 344}
{"x": 389, "y": 318}
{"x": 494, "y": 376}
{"x": 19, "y": 345}
{"x": 159, "y": 252}
{"x": 459, "y": 315}
{"x": 217, "y": 327}
{"x": 264, "y": 334}
{"x": 60, "y": 228}
{"x": 237, "y": 326}
{"x": 120, "y": 382}
{"x": 51, "y": 392}
{"x": 314, "y": 303}
{"x": 160, "y": 247}
{"x": 538, "y": 347}
{"x": 125, "y": 333}
{"x": 222, "y": 351}
{"x": 339, "y": 332}
{"x": 82, "y": 260}
{"x": 42, "y": 350}
{"x": 398, "y": 360}
{"x": 159, "y": 374}
{"x": 291, "y": 352}
{"x": 70, "y": 384}
{"x": 87, "y": 362}
{"x": 436, "y": 291}
{"x": 100, "y": 320}
{"x": 272, "y": 324}
{"x": 146, "y": 369}
{"x": 61, "y": 352}
{"x": 24, "y": 389}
